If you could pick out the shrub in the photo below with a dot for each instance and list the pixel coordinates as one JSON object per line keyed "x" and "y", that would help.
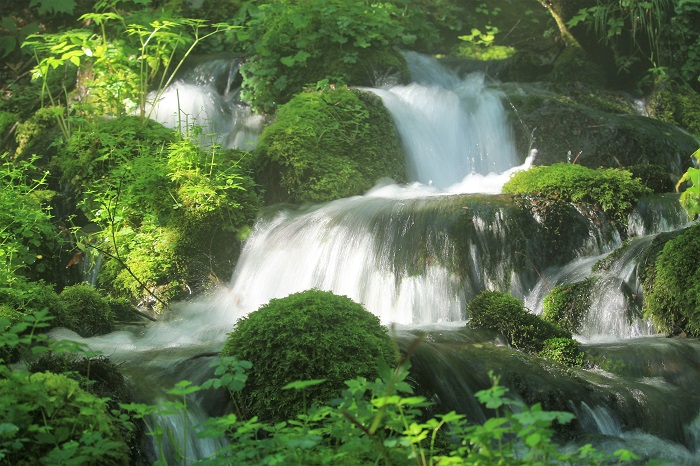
{"x": 672, "y": 287}
{"x": 328, "y": 145}
{"x": 306, "y": 336}
{"x": 567, "y": 305}
{"x": 85, "y": 311}
{"x": 563, "y": 350}
{"x": 49, "y": 419}
{"x": 493, "y": 310}
{"x": 614, "y": 190}
{"x": 170, "y": 213}
{"x": 293, "y": 44}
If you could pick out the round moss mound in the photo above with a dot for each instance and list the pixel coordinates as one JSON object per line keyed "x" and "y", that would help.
{"x": 306, "y": 336}
{"x": 493, "y": 310}
{"x": 567, "y": 305}
{"x": 49, "y": 419}
{"x": 328, "y": 145}
{"x": 672, "y": 286}
{"x": 85, "y": 311}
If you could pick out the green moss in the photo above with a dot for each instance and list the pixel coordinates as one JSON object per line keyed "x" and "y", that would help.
{"x": 306, "y": 336}
{"x": 37, "y": 134}
{"x": 614, "y": 190}
{"x": 672, "y": 289}
{"x": 177, "y": 212}
{"x": 567, "y": 305}
{"x": 93, "y": 150}
{"x": 328, "y": 145}
{"x": 49, "y": 419}
{"x": 493, "y": 310}
{"x": 678, "y": 105}
{"x": 85, "y": 311}
{"x": 562, "y": 350}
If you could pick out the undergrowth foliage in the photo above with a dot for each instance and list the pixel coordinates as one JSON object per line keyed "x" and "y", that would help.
{"x": 48, "y": 419}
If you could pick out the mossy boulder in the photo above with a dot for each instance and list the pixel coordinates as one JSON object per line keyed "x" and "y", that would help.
{"x": 614, "y": 190}
{"x": 678, "y": 105}
{"x": 84, "y": 311}
{"x": 328, "y": 144}
{"x": 306, "y": 336}
{"x": 672, "y": 286}
{"x": 493, "y": 310}
{"x": 567, "y": 305}
{"x": 596, "y": 128}
{"x": 49, "y": 419}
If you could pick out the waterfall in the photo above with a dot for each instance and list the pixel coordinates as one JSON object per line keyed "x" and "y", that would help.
{"x": 450, "y": 128}
{"x": 415, "y": 255}
{"x": 205, "y": 97}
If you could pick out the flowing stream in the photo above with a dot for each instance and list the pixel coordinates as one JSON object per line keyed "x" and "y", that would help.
{"x": 414, "y": 255}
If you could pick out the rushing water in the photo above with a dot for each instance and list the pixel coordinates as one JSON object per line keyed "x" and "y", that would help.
{"x": 414, "y": 255}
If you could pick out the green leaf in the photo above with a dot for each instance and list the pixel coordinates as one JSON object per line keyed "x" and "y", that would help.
{"x": 302, "y": 384}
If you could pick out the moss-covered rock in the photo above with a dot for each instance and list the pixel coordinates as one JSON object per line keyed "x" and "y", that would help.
{"x": 596, "y": 128}
{"x": 672, "y": 286}
{"x": 678, "y": 105}
{"x": 170, "y": 216}
{"x": 306, "y": 336}
{"x": 562, "y": 350}
{"x": 85, "y": 311}
{"x": 327, "y": 145}
{"x": 614, "y": 190}
{"x": 504, "y": 313}
{"x": 567, "y": 305}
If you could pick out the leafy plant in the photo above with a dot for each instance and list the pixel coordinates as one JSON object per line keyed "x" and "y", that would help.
{"x": 563, "y": 350}
{"x": 290, "y": 41}
{"x": 690, "y": 197}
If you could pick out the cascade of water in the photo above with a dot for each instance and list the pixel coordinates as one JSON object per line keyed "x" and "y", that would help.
{"x": 204, "y": 97}
{"x": 412, "y": 255}
{"x": 450, "y": 128}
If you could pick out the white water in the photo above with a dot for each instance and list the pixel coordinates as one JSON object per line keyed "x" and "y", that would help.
{"x": 459, "y": 141}
{"x": 195, "y": 102}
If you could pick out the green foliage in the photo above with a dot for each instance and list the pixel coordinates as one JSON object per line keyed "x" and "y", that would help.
{"x": 165, "y": 207}
{"x": 27, "y": 236}
{"x": 678, "y": 105}
{"x": 119, "y": 61}
{"x": 563, "y": 350}
{"x": 493, "y": 310}
{"x": 328, "y": 144}
{"x": 614, "y": 190}
{"x": 567, "y": 305}
{"x": 672, "y": 288}
{"x": 84, "y": 311}
{"x": 49, "y": 419}
{"x": 382, "y": 422}
{"x": 291, "y": 41}
{"x": 690, "y": 198}
{"x": 305, "y": 336}
{"x": 643, "y": 22}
